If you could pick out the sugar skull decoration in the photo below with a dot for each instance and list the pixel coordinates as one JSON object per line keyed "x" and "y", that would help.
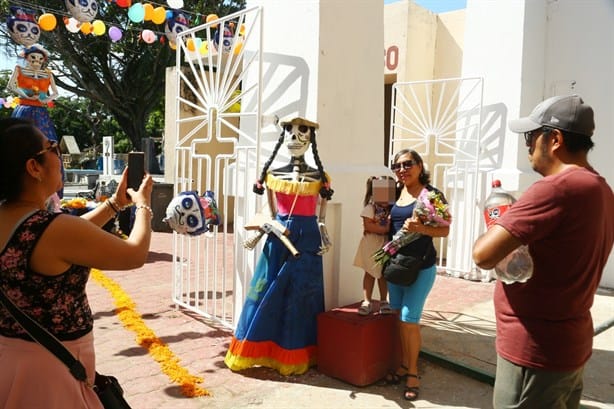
{"x": 23, "y": 26}
{"x": 225, "y": 36}
{"x": 189, "y": 213}
{"x": 177, "y": 23}
{"x": 82, "y": 10}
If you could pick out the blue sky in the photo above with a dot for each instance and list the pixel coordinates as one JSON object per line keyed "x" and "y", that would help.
{"x": 438, "y": 6}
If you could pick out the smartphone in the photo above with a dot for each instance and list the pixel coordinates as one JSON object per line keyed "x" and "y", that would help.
{"x": 136, "y": 169}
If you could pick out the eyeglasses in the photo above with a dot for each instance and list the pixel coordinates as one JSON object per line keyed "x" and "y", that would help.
{"x": 528, "y": 136}
{"x": 53, "y": 147}
{"x": 408, "y": 164}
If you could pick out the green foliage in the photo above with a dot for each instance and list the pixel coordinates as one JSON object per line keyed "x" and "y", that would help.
{"x": 124, "y": 80}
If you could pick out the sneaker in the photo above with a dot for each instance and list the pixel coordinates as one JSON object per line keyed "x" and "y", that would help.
{"x": 365, "y": 308}
{"x": 384, "y": 308}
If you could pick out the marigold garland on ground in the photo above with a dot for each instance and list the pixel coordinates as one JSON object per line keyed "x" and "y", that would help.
{"x": 145, "y": 337}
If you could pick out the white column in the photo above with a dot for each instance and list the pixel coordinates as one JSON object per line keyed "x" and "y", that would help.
{"x": 107, "y": 156}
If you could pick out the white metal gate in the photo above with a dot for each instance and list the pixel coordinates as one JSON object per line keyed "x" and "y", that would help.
{"x": 215, "y": 98}
{"x": 442, "y": 121}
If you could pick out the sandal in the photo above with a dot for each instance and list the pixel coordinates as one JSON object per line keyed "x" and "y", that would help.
{"x": 394, "y": 378}
{"x": 384, "y": 308}
{"x": 411, "y": 392}
{"x": 365, "y": 308}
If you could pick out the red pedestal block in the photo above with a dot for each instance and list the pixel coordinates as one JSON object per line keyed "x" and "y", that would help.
{"x": 357, "y": 349}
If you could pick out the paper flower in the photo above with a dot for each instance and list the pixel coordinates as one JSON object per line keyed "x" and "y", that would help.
{"x": 431, "y": 209}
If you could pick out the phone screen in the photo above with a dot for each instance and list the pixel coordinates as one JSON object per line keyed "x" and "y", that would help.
{"x": 136, "y": 169}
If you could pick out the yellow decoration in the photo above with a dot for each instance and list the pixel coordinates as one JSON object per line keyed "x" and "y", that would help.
{"x": 212, "y": 17}
{"x": 75, "y": 203}
{"x": 149, "y": 11}
{"x": 47, "y": 22}
{"x": 86, "y": 28}
{"x": 204, "y": 48}
{"x": 145, "y": 337}
{"x": 98, "y": 27}
{"x": 190, "y": 45}
{"x": 159, "y": 15}
{"x": 238, "y": 48}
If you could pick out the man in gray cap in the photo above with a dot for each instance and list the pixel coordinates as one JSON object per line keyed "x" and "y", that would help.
{"x": 544, "y": 326}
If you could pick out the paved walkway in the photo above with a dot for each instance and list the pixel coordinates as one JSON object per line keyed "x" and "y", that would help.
{"x": 459, "y": 329}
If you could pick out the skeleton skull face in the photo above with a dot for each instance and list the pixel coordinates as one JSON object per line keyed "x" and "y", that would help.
{"x": 24, "y": 32}
{"x": 82, "y": 10}
{"x": 175, "y": 25}
{"x": 35, "y": 60}
{"x": 297, "y": 138}
{"x": 185, "y": 214}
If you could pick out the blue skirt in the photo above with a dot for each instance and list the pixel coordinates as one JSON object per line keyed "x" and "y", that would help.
{"x": 41, "y": 118}
{"x": 278, "y": 324}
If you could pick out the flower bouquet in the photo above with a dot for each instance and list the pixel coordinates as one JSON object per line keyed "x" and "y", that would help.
{"x": 431, "y": 209}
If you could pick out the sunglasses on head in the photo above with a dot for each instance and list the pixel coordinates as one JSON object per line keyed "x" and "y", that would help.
{"x": 408, "y": 164}
{"x": 53, "y": 147}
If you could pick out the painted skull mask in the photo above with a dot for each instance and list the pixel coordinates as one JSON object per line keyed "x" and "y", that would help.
{"x": 82, "y": 10}
{"x": 23, "y": 27}
{"x": 189, "y": 213}
{"x": 297, "y": 138}
{"x": 226, "y": 37}
{"x": 175, "y": 25}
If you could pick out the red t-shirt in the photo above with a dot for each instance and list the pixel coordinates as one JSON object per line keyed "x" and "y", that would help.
{"x": 567, "y": 220}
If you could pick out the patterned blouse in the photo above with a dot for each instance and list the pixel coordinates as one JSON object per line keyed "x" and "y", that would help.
{"x": 58, "y": 303}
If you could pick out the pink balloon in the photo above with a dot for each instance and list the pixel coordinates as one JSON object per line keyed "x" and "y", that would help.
{"x": 115, "y": 34}
{"x": 148, "y": 36}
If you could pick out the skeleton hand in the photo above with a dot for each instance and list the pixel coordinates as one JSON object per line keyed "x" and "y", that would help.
{"x": 250, "y": 243}
{"x": 325, "y": 244}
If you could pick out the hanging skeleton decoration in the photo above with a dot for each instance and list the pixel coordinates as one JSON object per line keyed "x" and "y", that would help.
{"x": 177, "y": 23}
{"x": 298, "y": 135}
{"x": 82, "y": 10}
{"x": 22, "y": 26}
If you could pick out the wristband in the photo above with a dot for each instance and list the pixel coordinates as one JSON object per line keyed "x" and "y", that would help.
{"x": 145, "y": 207}
{"x": 112, "y": 205}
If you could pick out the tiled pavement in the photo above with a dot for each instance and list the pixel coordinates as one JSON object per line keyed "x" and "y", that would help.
{"x": 458, "y": 326}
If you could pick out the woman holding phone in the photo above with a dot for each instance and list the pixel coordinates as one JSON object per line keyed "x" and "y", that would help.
{"x": 45, "y": 261}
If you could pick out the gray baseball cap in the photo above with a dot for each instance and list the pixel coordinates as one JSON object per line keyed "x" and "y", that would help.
{"x": 568, "y": 113}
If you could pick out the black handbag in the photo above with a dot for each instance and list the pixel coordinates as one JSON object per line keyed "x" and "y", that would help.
{"x": 106, "y": 387}
{"x": 110, "y": 392}
{"x": 403, "y": 268}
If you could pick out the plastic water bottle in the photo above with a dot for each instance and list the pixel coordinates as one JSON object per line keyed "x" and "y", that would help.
{"x": 516, "y": 267}
{"x": 497, "y": 203}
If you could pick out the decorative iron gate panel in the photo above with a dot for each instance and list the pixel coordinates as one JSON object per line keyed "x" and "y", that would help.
{"x": 214, "y": 100}
{"x": 442, "y": 121}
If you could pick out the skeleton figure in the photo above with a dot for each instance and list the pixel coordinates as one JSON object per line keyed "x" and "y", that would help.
{"x": 22, "y": 26}
{"x": 82, "y": 10}
{"x": 36, "y": 87}
{"x": 34, "y": 83}
{"x": 298, "y": 134}
{"x": 278, "y": 323}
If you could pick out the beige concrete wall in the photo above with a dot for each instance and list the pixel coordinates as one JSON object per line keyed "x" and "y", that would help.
{"x": 449, "y": 45}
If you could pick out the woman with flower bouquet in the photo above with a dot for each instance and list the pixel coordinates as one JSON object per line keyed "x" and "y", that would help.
{"x": 419, "y": 214}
